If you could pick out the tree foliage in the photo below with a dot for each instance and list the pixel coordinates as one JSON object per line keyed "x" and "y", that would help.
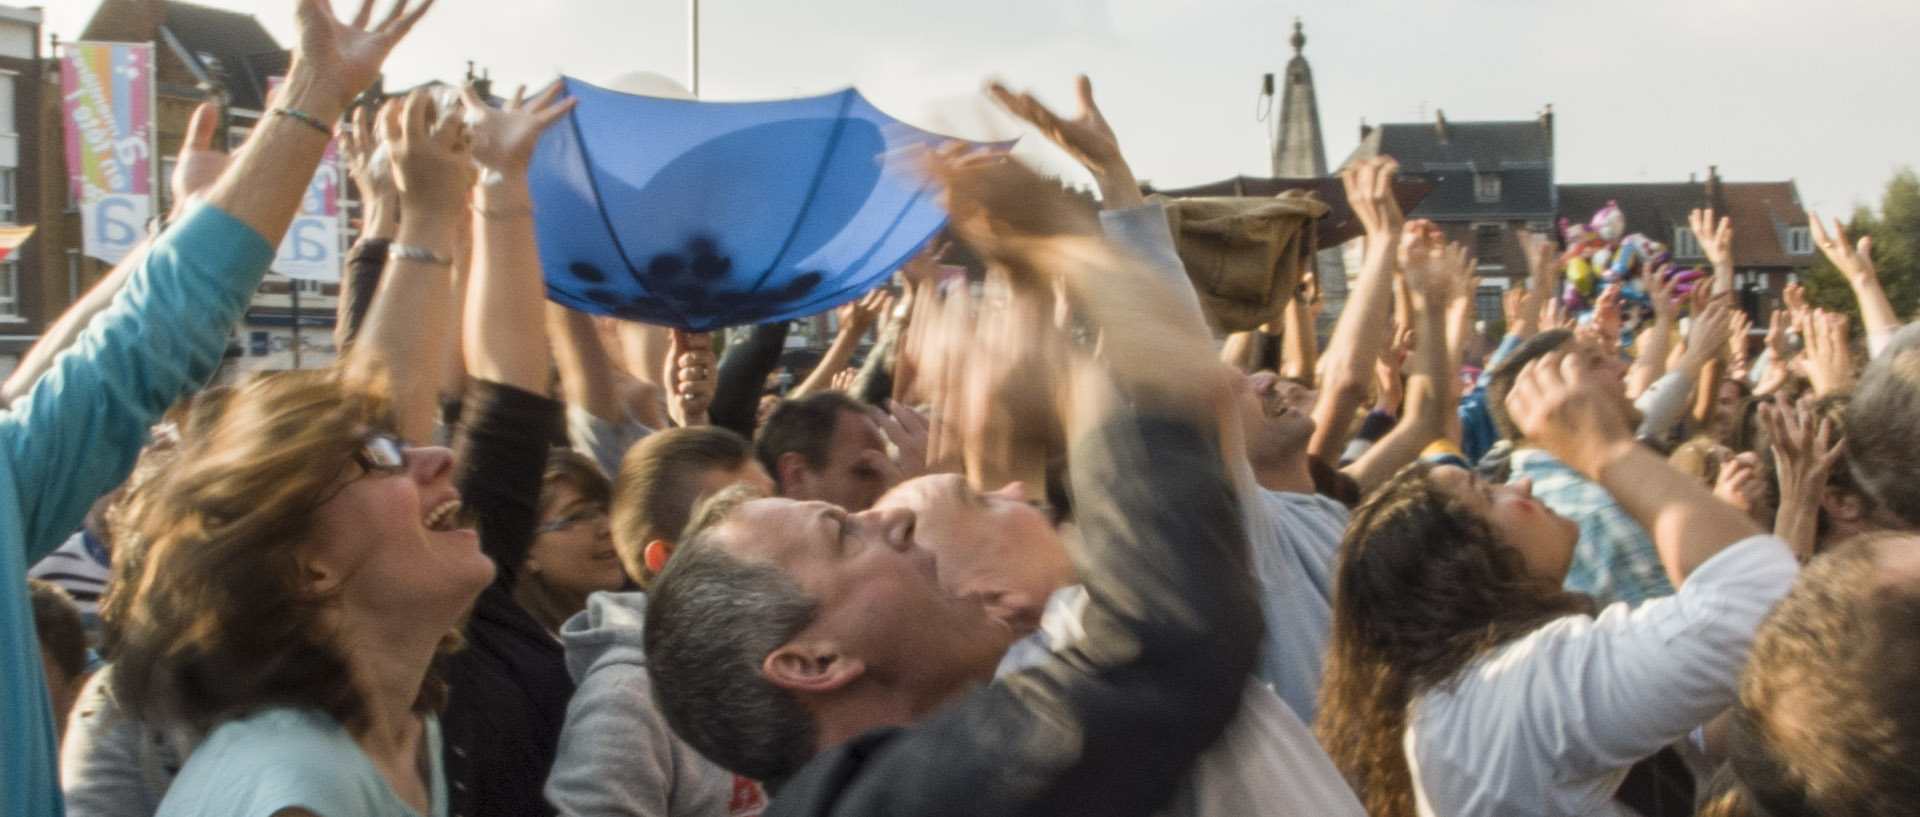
{"x": 1896, "y": 252}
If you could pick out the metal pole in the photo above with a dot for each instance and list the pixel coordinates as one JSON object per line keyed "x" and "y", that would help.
{"x": 693, "y": 47}
{"x": 294, "y": 290}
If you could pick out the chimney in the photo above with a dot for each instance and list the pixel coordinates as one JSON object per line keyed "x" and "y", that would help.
{"x": 1366, "y": 130}
{"x": 1546, "y": 120}
{"x": 1713, "y": 189}
{"x": 1440, "y": 123}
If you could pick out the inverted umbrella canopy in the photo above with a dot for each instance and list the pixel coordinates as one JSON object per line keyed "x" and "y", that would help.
{"x": 699, "y": 215}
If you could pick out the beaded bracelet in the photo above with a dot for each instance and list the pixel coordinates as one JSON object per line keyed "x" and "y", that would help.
{"x": 303, "y": 116}
{"x": 404, "y": 252}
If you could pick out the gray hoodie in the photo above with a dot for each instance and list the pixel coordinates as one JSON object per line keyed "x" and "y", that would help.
{"x": 617, "y": 757}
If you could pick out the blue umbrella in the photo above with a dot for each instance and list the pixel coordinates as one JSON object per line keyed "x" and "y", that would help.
{"x": 699, "y": 215}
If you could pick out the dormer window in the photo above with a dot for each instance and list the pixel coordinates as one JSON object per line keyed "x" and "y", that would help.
{"x": 1685, "y": 243}
{"x": 1799, "y": 241}
{"x": 1486, "y": 188}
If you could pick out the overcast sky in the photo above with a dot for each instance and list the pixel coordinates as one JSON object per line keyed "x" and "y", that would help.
{"x": 1643, "y": 90}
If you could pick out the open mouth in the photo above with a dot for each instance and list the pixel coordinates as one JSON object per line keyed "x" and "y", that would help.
{"x": 444, "y": 517}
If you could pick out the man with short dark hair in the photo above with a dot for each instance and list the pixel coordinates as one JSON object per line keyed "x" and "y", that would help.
{"x": 824, "y": 447}
{"x": 814, "y": 648}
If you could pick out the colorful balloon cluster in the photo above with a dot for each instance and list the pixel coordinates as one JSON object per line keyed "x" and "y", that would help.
{"x": 1598, "y": 255}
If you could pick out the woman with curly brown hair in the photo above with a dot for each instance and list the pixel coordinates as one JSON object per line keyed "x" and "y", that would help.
{"x": 1463, "y": 680}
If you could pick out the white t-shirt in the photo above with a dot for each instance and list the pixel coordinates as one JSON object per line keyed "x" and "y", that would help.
{"x": 1550, "y": 723}
{"x": 1267, "y": 762}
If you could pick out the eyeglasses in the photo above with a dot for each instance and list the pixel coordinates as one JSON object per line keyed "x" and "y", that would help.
{"x": 382, "y": 454}
{"x": 560, "y": 523}
{"x": 378, "y": 455}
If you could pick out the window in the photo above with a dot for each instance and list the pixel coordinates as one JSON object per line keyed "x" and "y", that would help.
{"x": 167, "y": 164}
{"x": 10, "y": 289}
{"x": 1490, "y": 244}
{"x": 9, "y": 212}
{"x": 1486, "y": 188}
{"x": 1685, "y": 243}
{"x": 1799, "y": 241}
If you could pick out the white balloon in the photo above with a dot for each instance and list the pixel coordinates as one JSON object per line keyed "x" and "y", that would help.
{"x": 647, "y": 83}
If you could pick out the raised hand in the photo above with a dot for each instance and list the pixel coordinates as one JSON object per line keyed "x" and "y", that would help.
{"x": 1563, "y": 406}
{"x": 1829, "y": 358}
{"x": 1739, "y": 329}
{"x": 198, "y": 164}
{"x": 430, "y": 154}
{"x": 1716, "y": 240}
{"x": 335, "y": 61}
{"x": 368, "y": 167}
{"x": 689, "y": 375}
{"x": 1854, "y": 260}
{"x": 1804, "y": 454}
{"x": 1087, "y": 138}
{"x": 1707, "y": 336}
{"x": 1424, "y": 256}
{"x": 909, "y": 431}
{"x": 924, "y": 267}
{"x": 1369, "y": 185}
{"x": 857, "y": 316}
{"x": 504, "y": 138}
{"x": 1794, "y": 295}
{"x": 1604, "y": 326}
{"x": 1741, "y": 485}
{"x": 1661, "y": 291}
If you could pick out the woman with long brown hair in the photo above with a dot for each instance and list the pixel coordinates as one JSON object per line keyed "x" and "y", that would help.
{"x": 1462, "y": 679}
{"x": 297, "y": 573}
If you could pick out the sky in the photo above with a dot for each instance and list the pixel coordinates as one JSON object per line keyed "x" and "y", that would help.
{"x": 1642, "y": 90}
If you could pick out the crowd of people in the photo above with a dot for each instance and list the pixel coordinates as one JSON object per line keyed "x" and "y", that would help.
{"x": 1052, "y": 544}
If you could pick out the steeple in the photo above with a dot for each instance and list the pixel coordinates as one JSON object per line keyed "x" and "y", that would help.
{"x": 1298, "y": 151}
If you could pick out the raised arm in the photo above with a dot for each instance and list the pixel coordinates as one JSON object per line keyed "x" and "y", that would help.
{"x": 506, "y": 335}
{"x": 1716, "y": 240}
{"x": 1347, "y": 362}
{"x": 856, "y": 319}
{"x": 1561, "y": 404}
{"x": 406, "y": 329}
{"x": 1855, "y": 262}
{"x": 166, "y": 330}
{"x": 1086, "y": 137}
{"x": 196, "y": 168}
{"x": 1431, "y": 385}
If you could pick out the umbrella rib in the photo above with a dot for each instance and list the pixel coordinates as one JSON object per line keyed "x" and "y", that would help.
{"x": 599, "y": 201}
{"x": 806, "y": 206}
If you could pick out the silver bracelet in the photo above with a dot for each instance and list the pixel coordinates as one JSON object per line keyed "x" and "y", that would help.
{"x": 403, "y": 252}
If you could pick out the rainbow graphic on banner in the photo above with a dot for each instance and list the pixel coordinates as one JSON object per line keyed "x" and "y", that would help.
{"x": 106, "y": 90}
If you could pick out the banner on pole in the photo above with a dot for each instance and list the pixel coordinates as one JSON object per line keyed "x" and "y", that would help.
{"x": 106, "y": 90}
{"x": 311, "y": 249}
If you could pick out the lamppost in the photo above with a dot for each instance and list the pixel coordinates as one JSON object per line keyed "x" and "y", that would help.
{"x": 693, "y": 47}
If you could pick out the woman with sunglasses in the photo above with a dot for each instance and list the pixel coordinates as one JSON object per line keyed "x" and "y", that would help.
{"x": 302, "y": 568}
{"x": 1462, "y": 680}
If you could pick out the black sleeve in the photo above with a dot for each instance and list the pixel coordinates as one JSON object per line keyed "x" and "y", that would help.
{"x": 1112, "y": 724}
{"x": 743, "y": 374}
{"x": 365, "y": 262}
{"x": 500, "y": 452}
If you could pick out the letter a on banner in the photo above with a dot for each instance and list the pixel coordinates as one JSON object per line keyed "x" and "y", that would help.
{"x": 106, "y": 91}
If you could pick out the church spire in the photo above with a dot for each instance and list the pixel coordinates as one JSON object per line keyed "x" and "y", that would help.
{"x": 1298, "y": 151}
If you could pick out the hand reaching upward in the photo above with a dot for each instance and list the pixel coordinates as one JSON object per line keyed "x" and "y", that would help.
{"x": 1087, "y": 138}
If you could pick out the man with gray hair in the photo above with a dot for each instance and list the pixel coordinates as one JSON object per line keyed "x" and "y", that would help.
{"x": 1883, "y": 437}
{"x": 814, "y": 649}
